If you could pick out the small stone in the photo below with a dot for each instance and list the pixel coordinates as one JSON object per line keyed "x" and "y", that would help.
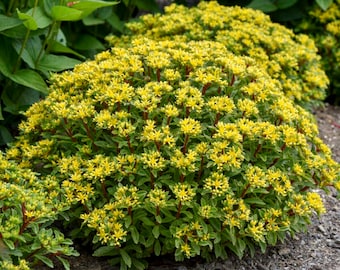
{"x": 322, "y": 229}
{"x": 284, "y": 251}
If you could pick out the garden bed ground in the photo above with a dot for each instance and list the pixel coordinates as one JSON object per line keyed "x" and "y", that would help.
{"x": 318, "y": 249}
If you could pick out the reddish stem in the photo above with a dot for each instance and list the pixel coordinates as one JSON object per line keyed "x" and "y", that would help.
{"x": 184, "y": 148}
{"x": 217, "y": 118}
{"x": 103, "y": 186}
{"x": 205, "y": 88}
{"x": 245, "y": 191}
{"x": 152, "y": 180}
{"x": 69, "y": 131}
{"x": 158, "y": 72}
{"x": 187, "y": 111}
{"x": 259, "y": 146}
{"x": 232, "y": 80}
{"x": 179, "y": 208}
{"x": 129, "y": 144}
{"x": 181, "y": 178}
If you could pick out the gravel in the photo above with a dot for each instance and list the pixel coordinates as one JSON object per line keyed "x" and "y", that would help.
{"x": 317, "y": 249}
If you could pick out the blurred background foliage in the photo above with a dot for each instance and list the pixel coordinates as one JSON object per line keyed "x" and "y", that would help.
{"x": 38, "y": 38}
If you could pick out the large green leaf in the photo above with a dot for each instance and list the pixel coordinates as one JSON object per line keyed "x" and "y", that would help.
{"x": 28, "y": 20}
{"x": 89, "y": 6}
{"x": 19, "y": 98}
{"x": 56, "y": 63}
{"x": 62, "y": 13}
{"x": 264, "y": 5}
{"x": 8, "y": 22}
{"x": 148, "y": 5}
{"x": 40, "y": 18}
{"x": 92, "y": 20}
{"x": 282, "y": 4}
{"x": 87, "y": 42}
{"x": 34, "y": 18}
{"x": 115, "y": 22}
{"x": 30, "y": 53}
{"x": 57, "y": 47}
{"x": 324, "y": 4}
{"x": 31, "y": 79}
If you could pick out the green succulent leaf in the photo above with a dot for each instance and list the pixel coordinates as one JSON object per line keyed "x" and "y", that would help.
{"x": 45, "y": 260}
{"x": 126, "y": 257}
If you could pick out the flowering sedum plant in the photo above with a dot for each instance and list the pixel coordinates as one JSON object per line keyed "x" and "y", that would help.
{"x": 324, "y": 27}
{"x": 290, "y": 58}
{"x": 171, "y": 147}
{"x": 28, "y": 206}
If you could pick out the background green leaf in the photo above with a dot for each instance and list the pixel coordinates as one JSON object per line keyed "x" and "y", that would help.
{"x": 8, "y": 22}
{"x": 264, "y": 5}
{"x": 62, "y": 13}
{"x": 56, "y": 63}
{"x": 31, "y": 79}
{"x": 324, "y": 4}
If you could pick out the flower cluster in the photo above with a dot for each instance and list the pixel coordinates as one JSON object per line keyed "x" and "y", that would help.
{"x": 199, "y": 152}
{"x": 290, "y": 58}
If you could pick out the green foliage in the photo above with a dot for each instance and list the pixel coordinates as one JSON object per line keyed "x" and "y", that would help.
{"x": 173, "y": 147}
{"x": 41, "y": 37}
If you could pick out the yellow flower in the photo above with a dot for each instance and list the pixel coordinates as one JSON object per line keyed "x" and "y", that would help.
{"x": 153, "y": 160}
{"x": 228, "y": 132}
{"x": 221, "y": 104}
{"x": 158, "y": 197}
{"x": 186, "y": 250}
{"x": 184, "y": 192}
{"x": 256, "y": 177}
{"x": 247, "y": 107}
{"x": 315, "y": 202}
{"x": 217, "y": 184}
{"x": 256, "y": 230}
{"x": 190, "y": 126}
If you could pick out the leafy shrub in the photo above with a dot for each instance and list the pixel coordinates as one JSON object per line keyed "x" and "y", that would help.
{"x": 324, "y": 27}
{"x": 290, "y": 58}
{"x": 170, "y": 147}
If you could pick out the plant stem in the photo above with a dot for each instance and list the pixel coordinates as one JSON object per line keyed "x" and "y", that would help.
{"x": 23, "y": 45}
{"x": 245, "y": 190}
{"x": 205, "y": 88}
{"x": 217, "y": 118}
{"x": 179, "y": 208}
{"x": 184, "y": 148}
{"x": 152, "y": 180}
{"x": 199, "y": 175}
{"x": 103, "y": 186}
{"x": 259, "y": 146}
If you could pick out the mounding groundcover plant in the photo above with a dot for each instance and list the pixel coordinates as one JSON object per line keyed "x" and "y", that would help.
{"x": 324, "y": 27}
{"x": 290, "y": 58}
{"x": 167, "y": 147}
